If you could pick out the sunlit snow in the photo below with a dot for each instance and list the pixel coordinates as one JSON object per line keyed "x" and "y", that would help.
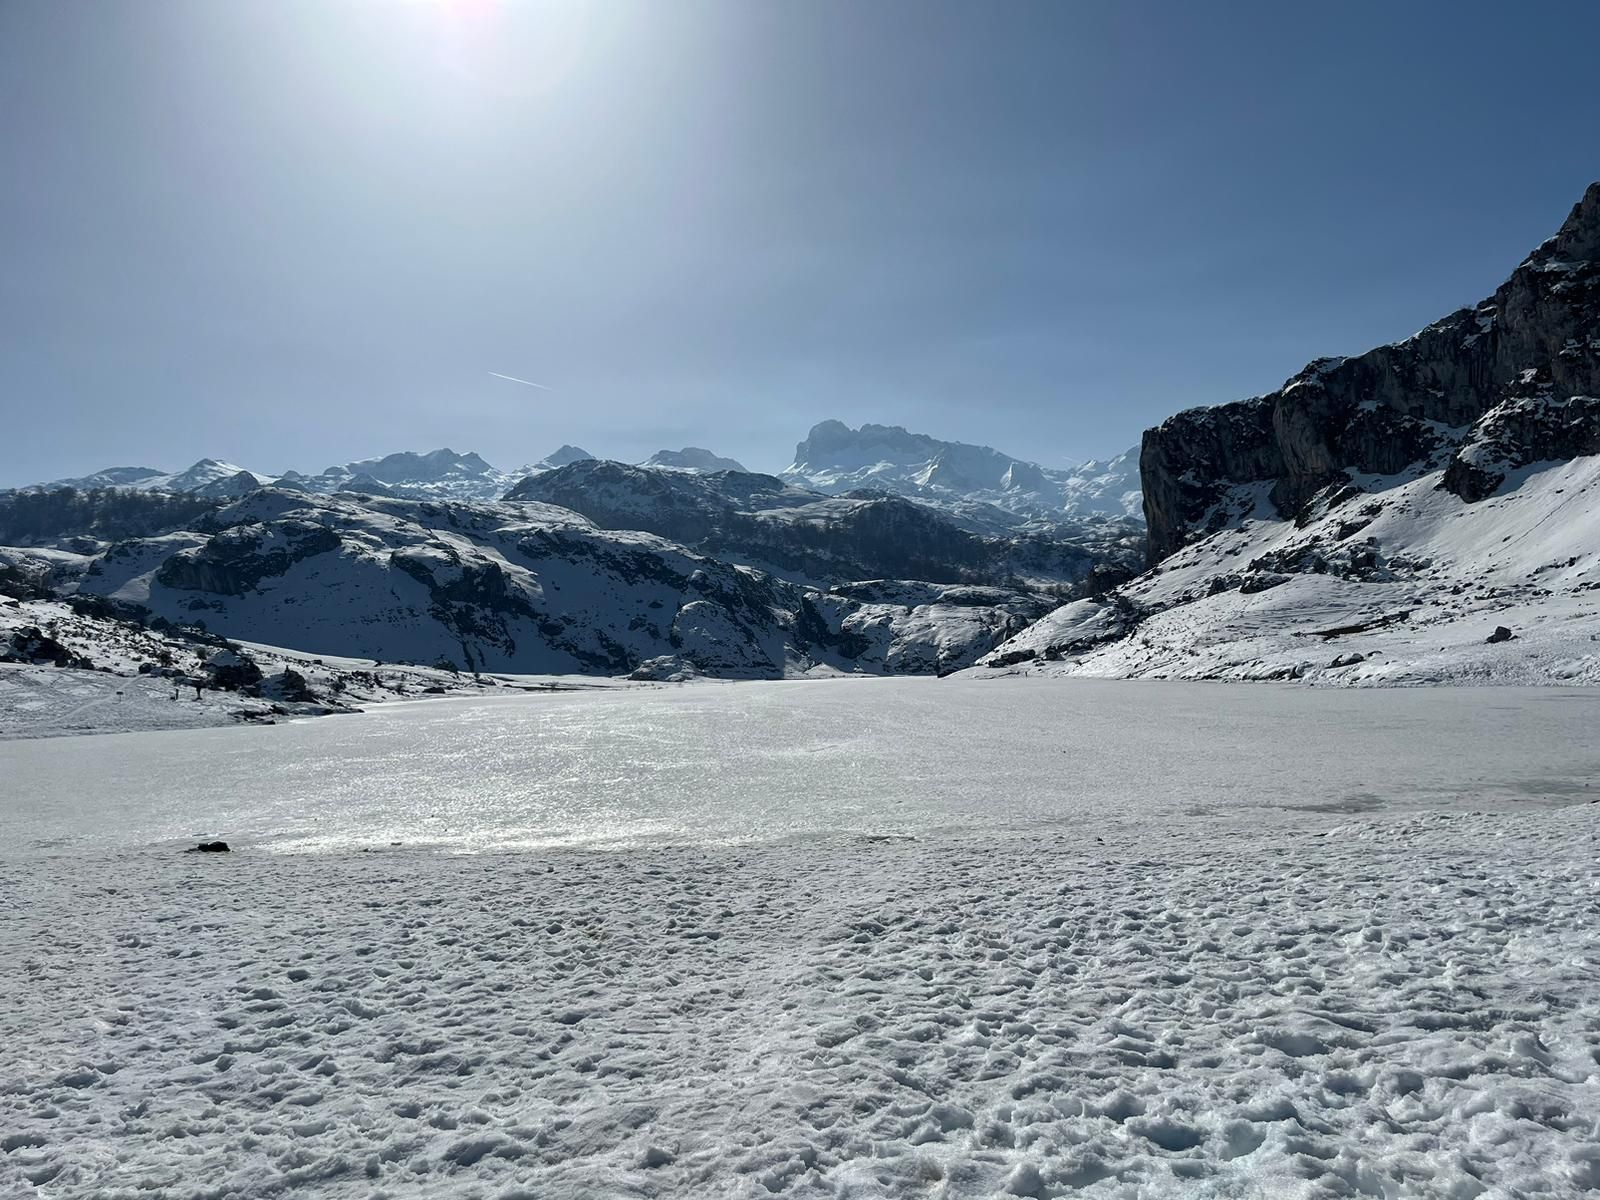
{"x": 844, "y": 938}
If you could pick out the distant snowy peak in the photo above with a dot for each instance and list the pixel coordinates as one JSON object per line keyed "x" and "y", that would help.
{"x": 440, "y": 474}
{"x": 692, "y": 458}
{"x": 836, "y": 458}
{"x": 437, "y": 474}
{"x": 208, "y": 477}
{"x": 565, "y": 456}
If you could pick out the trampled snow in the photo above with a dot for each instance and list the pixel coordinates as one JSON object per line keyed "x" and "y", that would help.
{"x": 839, "y": 938}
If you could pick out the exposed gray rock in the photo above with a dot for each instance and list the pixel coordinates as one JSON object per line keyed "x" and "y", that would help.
{"x": 1520, "y": 432}
{"x": 32, "y": 645}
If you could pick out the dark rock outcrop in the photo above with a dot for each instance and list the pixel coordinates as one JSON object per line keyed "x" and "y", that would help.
{"x": 239, "y": 557}
{"x": 31, "y": 644}
{"x": 46, "y": 516}
{"x": 1513, "y": 376}
{"x": 1518, "y": 433}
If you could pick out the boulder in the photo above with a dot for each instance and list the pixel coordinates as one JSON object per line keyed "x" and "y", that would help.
{"x": 30, "y": 644}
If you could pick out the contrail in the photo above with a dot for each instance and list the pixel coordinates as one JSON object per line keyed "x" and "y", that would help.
{"x": 528, "y": 382}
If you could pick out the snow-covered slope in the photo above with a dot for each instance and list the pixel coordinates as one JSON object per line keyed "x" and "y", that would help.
{"x": 1407, "y": 585}
{"x": 836, "y": 458}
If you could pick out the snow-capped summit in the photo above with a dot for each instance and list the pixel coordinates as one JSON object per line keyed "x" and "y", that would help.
{"x": 438, "y": 474}
{"x": 692, "y": 458}
{"x": 562, "y": 457}
{"x": 209, "y": 476}
{"x": 836, "y": 458}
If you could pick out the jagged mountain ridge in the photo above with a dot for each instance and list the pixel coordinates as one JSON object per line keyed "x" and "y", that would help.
{"x": 983, "y": 490}
{"x": 437, "y": 474}
{"x": 835, "y": 458}
{"x": 1428, "y": 510}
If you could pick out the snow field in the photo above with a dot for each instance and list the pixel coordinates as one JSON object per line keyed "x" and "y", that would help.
{"x": 1307, "y": 1004}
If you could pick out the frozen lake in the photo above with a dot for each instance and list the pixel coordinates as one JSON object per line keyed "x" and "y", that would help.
{"x": 719, "y": 763}
{"x": 1145, "y": 940}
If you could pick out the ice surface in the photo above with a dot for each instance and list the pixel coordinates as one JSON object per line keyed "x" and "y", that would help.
{"x": 768, "y": 760}
{"x": 847, "y": 938}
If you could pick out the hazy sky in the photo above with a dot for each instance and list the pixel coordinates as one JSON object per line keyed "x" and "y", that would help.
{"x": 296, "y": 232}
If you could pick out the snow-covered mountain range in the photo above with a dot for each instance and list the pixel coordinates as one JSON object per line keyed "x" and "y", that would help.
{"x": 1428, "y": 510}
{"x": 520, "y": 587}
{"x": 836, "y": 458}
{"x": 982, "y": 488}
{"x": 683, "y": 564}
{"x": 438, "y": 474}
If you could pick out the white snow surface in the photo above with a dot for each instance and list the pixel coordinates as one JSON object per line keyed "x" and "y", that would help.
{"x": 850, "y": 938}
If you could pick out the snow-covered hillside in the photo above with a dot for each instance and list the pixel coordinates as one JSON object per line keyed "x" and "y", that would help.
{"x": 208, "y": 477}
{"x": 1406, "y": 585}
{"x": 72, "y": 667}
{"x": 836, "y": 458}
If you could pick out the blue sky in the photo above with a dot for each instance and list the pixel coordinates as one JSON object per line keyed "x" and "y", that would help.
{"x": 296, "y": 232}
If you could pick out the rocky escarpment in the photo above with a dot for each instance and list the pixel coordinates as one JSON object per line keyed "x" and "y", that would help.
{"x": 1480, "y": 393}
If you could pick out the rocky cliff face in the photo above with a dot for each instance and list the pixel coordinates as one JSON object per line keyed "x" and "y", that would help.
{"x": 1481, "y": 393}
